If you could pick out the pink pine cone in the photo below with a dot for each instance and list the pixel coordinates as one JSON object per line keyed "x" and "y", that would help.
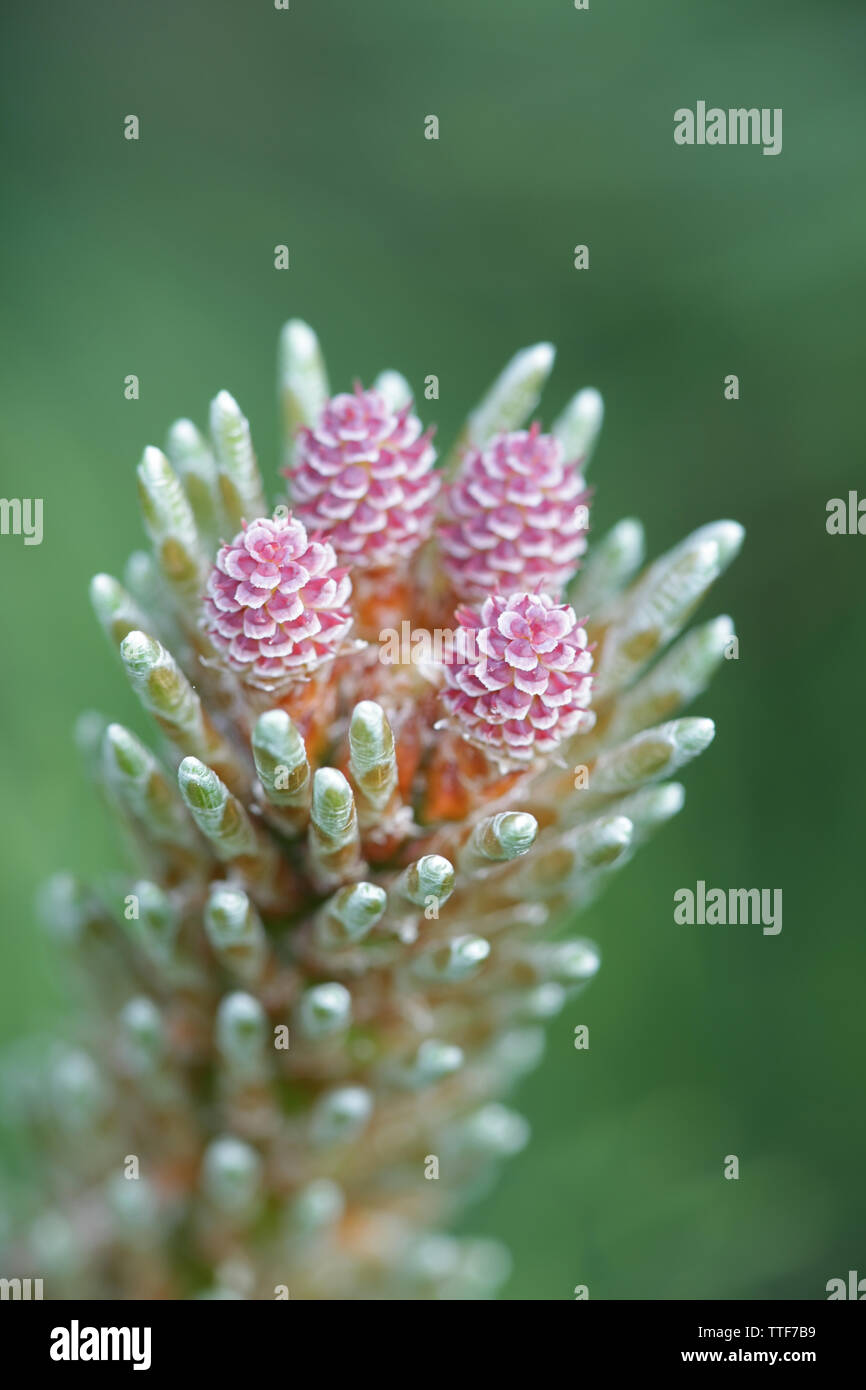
{"x": 520, "y": 683}
{"x": 276, "y": 605}
{"x": 364, "y": 475}
{"x": 515, "y": 517}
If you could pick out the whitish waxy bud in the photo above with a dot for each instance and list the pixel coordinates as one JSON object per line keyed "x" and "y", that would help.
{"x": 56, "y": 1244}
{"x": 576, "y": 861}
{"x": 431, "y": 1259}
{"x": 241, "y": 493}
{"x": 339, "y": 1116}
{"x": 663, "y": 600}
{"x": 303, "y": 382}
{"x": 223, "y": 820}
{"x": 232, "y": 1172}
{"x": 611, "y": 563}
{"x": 316, "y": 1207}
{"x": 493, "y": 1131}
{"x": 456, "y": 960}
{"x": 90, "y": 729}
{"x": 333, "y": 804}
{"x": 579, "y": 425}
{"x": 518, "y": 1052}
{"x": 324, "y": 1010}
{"x": 144, "y": 582}
{"x": 241, "y": 1032}
{"x": 545, "y": 1001}
{"x": 235, "y": 931}
{"x": 513, "y": 396}
{"x": 650, "y": 755}
{"x": 158, "y": 921}
{"x": 134, "y": 1205}
{"x": 675, "y": 680}
{"x": 432, "y": 876}
{"x": 143, "y": 1033}
{"x": 79, "y": 1093}
{"x": 196, "y": 467}
{"x": 143, "y": 788}
{"x": 727, "y": 535}
{"x": 168, "y": 697}
{"x": 218, "y": 814}
{"x": 349, "y": 915}
{"x": 372, "y": 761}
{"x": 282, "y": 766}
{"x": 498, "y": 839}
{"x": 602, "y": 842}
{"x": 334, "y": 843}
{"x": 484, "y": 1266}
{"x": 141, "y": 577}
{"x": 433, "y": 1061}
{"x": 62, "y": 908}
{"x": 463, "y": 1270}
{"x": 563, "y": 962}
{"x": 171, "y": 526}
{"x": 116, "y": 610}
{"x": 395, "y": 388}
{"x": 652, "y": 806}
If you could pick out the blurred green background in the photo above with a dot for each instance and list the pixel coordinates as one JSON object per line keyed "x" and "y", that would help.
{"x": 305, "y": 127}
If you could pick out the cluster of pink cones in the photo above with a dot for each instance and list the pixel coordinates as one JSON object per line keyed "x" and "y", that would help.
{"x": 340, "y": 935}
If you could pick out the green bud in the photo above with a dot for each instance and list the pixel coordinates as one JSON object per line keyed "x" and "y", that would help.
{"x": 317, "y": 1205}
{"x": 302, "y": 382}
{"x": 662, "y": 601}
{"x": 494, "y": 1131}
{"x": 434, "y": 1061}
{"x": 350, "y": 915}
{"x": 143, "y": 1033}
{"x": 241, "y": 492}
{"x": 650, "y": 755}
{"x": 134, "y": 1204}
{"x": 235, "y": 931}
{"x": 170, "y": 523}
{"x": 158, "y": 920}
{"x": 195, "y": 465}
{"x": 116, "y": 611}
{"x": 372, "y": 762}
{"x": 324, "y": 1010}
{"x": 456, "y": 960}
{"x": 282, "y": 765}
{"x": 232, "y": 1175}
{"x": 514, "y": 394}
{"x": 610, "y": 564}
{"x": 78, "y": 1091}
{"x": 683, "y": 673}
{"x": 432, "y": 876}
{"x": 497, "y": 840}
{"x": 144, "y": 789}
{"x": 219, "y": 815}
{"x": 579, "y": 425}
{"x": 339, "y": 1116}
{"x": 334, "y": 842}
{"x": 395, "y": 388}
{"x": 241, "y": 1032}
